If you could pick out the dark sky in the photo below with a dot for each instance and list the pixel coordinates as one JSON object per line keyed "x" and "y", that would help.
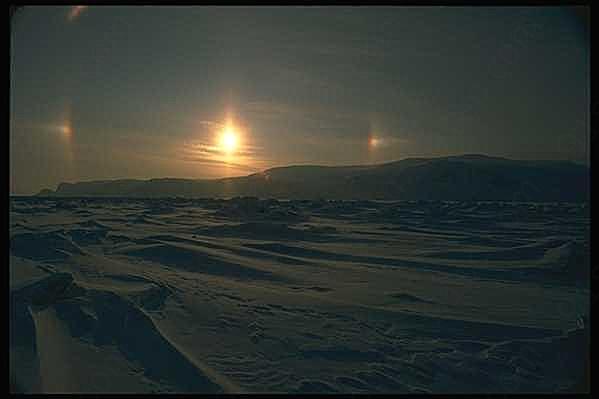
{"x": 140, "y": 92}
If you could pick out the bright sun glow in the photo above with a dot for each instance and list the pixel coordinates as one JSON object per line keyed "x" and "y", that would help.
{"x": 375, "y": 142}
{"x": 228, "y": 140}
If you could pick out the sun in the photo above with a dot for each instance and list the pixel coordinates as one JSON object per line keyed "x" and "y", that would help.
{"x": 229, "y": 140}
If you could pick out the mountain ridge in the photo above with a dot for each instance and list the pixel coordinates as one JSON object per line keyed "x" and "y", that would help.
{"x": 457, "y": 177}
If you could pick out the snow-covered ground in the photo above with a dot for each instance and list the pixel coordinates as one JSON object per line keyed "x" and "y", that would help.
{"x": 246, "y": 295}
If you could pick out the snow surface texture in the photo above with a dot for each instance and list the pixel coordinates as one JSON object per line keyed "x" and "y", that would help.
{"x": 248, "y": 295}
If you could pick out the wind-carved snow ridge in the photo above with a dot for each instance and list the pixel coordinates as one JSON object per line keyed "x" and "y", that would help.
{"x": 102, "y": 318}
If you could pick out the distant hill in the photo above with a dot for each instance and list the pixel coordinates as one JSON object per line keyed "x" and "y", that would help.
{"x": 463, "y": 177}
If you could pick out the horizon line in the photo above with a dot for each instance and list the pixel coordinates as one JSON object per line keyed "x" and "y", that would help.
{"x": 462, "y": 155}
